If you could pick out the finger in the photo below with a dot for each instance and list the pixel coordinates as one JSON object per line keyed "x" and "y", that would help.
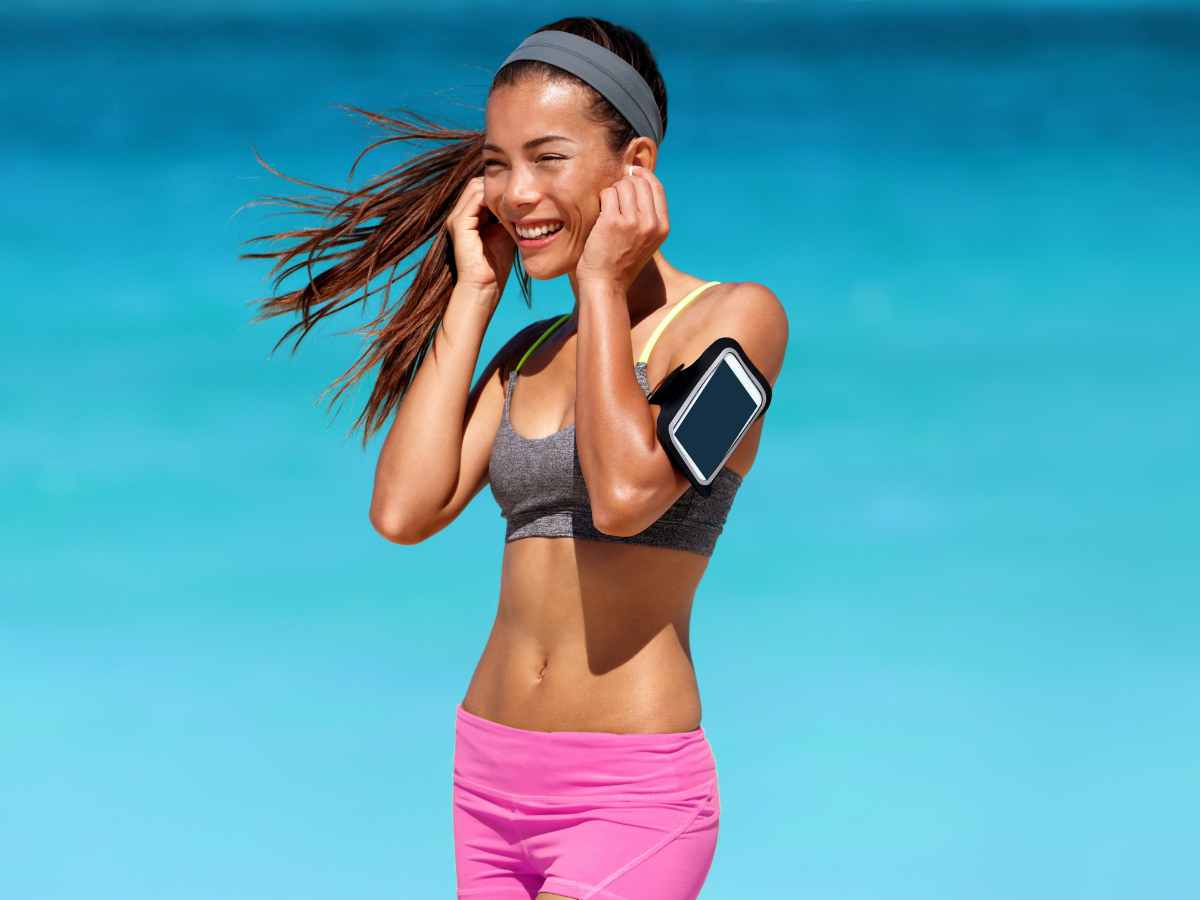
{"x": 474, "y": 205}
{"x": 608, "y": 202}
{"x": 473, "y": 185}
{"x": 627, "y": 197}
{"x": 468, "y": 196}
{"x": 658, "y": 192}
{"x": 646, "y": 214}
{"x": 479, "y": 202}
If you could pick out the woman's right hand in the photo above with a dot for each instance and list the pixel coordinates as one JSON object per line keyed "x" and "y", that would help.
{"x": 483, "y": 250}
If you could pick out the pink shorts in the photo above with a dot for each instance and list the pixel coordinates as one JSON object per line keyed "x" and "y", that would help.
{"x": 584, "y": 814}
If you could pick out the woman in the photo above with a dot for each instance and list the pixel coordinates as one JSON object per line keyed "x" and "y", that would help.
{"x": 580, "y": 768}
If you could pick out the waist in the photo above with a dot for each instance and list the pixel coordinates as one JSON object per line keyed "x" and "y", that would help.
{"x": 691, "y": 534}
{"x": 601, "y": 686}
{"x": 565, "y": 583}
{"x": 614, "y": 765}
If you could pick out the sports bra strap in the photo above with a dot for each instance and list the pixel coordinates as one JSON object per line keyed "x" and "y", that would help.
{"x": 675, "y": 310}
{"x": 654, "y": 335}
{"x": 545, "y": 334}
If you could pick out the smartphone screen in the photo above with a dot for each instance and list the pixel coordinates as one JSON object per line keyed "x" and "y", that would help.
{"x": 714, "y": 421}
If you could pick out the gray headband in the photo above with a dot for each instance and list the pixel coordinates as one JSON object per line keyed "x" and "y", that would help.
{"x": 616, "y": 79}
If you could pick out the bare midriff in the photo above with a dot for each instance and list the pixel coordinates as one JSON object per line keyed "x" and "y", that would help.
{"x": 591, "y": 636}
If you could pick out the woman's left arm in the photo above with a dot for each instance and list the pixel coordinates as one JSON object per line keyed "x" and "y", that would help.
{"x": 630, "y": 479}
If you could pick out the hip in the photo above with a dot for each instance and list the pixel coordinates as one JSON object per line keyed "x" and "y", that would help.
{"x": 593, "y": 815}
{"x": 531, "y": 764}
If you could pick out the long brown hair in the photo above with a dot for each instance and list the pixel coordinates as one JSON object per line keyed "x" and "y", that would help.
{"x": 410, "y": 203}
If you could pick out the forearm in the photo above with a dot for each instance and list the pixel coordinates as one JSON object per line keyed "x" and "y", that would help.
{"x": 614, "y": 425}
{"x": 418, "y": 465}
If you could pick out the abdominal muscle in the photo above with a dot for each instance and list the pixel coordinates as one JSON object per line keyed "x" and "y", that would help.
{"x": 590, "y": 636}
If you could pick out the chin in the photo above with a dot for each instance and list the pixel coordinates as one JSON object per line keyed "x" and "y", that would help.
{"x": 544, "y": 270}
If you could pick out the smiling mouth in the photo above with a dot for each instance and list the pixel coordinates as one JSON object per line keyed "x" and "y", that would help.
{"x": 542, "y": 239}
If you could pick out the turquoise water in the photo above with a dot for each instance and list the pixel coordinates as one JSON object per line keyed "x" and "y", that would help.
{"x": 947, "y": 643}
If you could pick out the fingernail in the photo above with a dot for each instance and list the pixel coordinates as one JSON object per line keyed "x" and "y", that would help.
{"x": 629, "y": 170}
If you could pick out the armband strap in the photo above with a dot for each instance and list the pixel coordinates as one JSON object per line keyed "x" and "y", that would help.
{"x": 676, "y": 390}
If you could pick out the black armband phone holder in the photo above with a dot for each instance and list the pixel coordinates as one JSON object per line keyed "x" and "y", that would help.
{"x": 707, "y": 407}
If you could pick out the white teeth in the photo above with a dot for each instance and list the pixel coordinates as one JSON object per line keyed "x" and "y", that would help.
{"x": 539, "y": 231}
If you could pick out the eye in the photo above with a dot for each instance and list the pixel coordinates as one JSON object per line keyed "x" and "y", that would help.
{"x": 545, "y": 156}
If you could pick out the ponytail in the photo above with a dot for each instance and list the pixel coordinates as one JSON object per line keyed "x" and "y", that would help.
{"x": 411, "y": 203}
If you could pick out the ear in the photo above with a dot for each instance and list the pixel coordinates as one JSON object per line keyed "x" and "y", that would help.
{"x": 642, "y": 151}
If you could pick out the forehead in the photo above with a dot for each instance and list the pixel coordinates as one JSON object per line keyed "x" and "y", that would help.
{"x": 534, "y": 107}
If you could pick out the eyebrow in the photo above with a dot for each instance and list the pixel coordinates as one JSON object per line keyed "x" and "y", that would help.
{"x": 529, "y": 145}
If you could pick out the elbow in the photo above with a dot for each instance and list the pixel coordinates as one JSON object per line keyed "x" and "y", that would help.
{"x": 395, "y": 528}
{"x": 616, "y": 513}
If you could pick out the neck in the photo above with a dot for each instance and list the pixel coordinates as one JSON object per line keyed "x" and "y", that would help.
{"x": 649, "y": 290}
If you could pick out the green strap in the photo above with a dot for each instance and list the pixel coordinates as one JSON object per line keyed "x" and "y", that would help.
{"x": 545, "y": 334}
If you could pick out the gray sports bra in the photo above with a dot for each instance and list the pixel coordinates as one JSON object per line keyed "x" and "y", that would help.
{"x": 539, "y": 485}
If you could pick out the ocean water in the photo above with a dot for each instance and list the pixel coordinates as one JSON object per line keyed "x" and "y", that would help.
{"x": 947, "y": 643}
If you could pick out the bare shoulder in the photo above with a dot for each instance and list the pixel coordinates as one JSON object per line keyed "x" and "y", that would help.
{"x": 749, "y": 312}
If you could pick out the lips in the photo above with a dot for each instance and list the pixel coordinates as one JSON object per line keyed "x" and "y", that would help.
{"x": 524, "y": 226}
{"x": 541, "y": 240}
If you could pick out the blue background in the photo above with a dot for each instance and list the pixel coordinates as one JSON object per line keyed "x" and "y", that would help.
{"x": 947, "y": 643}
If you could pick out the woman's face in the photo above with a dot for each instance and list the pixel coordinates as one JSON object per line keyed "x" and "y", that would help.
{"x": 554, "y": 181}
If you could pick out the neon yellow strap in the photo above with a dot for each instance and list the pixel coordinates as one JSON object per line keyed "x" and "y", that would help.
{"x": 675, "y": 310}
{"x": 545, "y": 334}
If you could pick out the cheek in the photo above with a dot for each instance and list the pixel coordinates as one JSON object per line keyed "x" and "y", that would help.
{"x": 493, "y": 185}
{"x": 491, "y": 195}
{"x": 580, "y": 208}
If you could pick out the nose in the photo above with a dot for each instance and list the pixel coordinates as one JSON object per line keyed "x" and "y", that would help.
{"x": 522, "y": 189}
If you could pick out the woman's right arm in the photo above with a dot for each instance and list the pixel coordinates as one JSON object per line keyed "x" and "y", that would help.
{"x": 435, "y": 457}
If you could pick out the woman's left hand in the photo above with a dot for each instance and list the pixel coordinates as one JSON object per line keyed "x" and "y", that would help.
{"x": 632, "y": 225}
